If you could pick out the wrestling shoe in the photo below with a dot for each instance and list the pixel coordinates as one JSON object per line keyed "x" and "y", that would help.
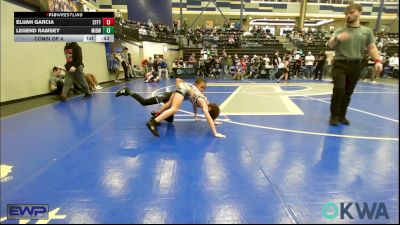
{"x": 123, "y": 91}
{"x": 155, "y": 114}
{"x": 152, "y": 125}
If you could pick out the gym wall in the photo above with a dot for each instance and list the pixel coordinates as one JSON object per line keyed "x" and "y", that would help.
{"x": 26, "y": 66}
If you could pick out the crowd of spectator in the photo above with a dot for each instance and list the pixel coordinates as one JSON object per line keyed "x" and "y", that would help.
{"x": 230, "y": 37}
{"x": 57, "y": 78}
{"x": 303, "y": 39}
{"x": 256, "y": 66}
{"x": 308, "y": 60}
{"x": 145, "y": 31}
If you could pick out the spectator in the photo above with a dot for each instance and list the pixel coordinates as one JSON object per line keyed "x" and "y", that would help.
{"x": 309, "y": 65}
{"x": 298, "y": 63}
{"x": 92, "y": 82}
{"x": 225, "y": 26}
{"x": 380, "y": 44}
{"x": 394, "y": 65}
{"x": 116, "y": 66}
{"x": 150, "y": 24}
{"x": 181, "y": 62}
{"x": 205, "y": 52}
{"x": 201, "y": 72}
{"x": 153, "y": 33}
{"x": 125, "y": 62}
{"x": 192, "y": 60}
{"x": 216, "y": 69}
{"x": 285, "y": 70}
{"x": 368, "y": 69}
{"x": 223, "y": 60}
{"x": 266, "y": 60}
{"x": 184, "y": 28}
{"x": 231, "y": 40}
{"x": 56, "y": 81}
{"x": 319, "y": 69}
{"x": 163, "y": 68}
{"x": 175, "y": 27}
{"x": 275, "y": 62}
{"x": 142, "y": 31}
{"x": 243, "y": 66}
{"x": 130, "y": 71}
{"x": 238, "y": 72}
{"x": 230, "y": 65}
{"x": 258, "y": 33}
{"x": 150, "y": 64}
{"x": 175, "y": 64}
{"x": 185, "y": 64}
{"x": 136, "y": 71}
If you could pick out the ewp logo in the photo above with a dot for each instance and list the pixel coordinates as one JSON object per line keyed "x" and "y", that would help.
{"x": 27, "y": 212}
{"x": 331, "y": 211}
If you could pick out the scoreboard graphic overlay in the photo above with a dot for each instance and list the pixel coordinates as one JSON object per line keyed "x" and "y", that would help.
{"x": 64, "y": 26}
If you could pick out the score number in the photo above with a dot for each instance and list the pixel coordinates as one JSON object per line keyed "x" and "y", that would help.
{"x": 108, "y": 21}
{"x": 108, "y": 25}
{"x": 108, "y": 30}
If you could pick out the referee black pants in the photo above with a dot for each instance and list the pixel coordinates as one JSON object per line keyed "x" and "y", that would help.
{"x": 345, "y": 76}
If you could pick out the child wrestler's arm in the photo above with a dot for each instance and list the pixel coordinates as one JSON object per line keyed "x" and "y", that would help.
{"x": 204, "y": 107}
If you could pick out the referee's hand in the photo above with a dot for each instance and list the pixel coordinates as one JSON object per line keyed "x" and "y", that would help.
{"x": 344, "y": 36}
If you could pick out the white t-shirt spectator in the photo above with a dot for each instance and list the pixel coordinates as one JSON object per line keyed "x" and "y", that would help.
{"x": 204, "y": 53}
{"x": 394, "y": 62}
{"x": 310, "y": 60}
{"x": 266, "y": 60}
{"x": 281, "y": 65}
{"x": 142, "y": 31}
{"x": 380, "y": 45}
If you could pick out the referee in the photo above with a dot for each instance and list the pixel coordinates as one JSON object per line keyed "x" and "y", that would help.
{"x": 349, "y": 42}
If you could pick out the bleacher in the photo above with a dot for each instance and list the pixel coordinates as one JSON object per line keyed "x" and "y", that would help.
{"x": 239, "y": 51}
{"x": 243, "y": 45}
{"x": 315, "y": 47}
{"x": 130, "y": 30}
{"x": 392, "y": 48}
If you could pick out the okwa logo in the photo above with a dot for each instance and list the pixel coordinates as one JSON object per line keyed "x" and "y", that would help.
{"x": 5, "y": 170}
{"x": 364, "y": 210}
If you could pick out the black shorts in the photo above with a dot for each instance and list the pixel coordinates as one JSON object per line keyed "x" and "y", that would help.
{"x": 179, "y": 92}
{"x": 165, "y": 97}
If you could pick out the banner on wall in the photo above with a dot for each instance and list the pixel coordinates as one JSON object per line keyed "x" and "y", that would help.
{"x": 64, "y": 6}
